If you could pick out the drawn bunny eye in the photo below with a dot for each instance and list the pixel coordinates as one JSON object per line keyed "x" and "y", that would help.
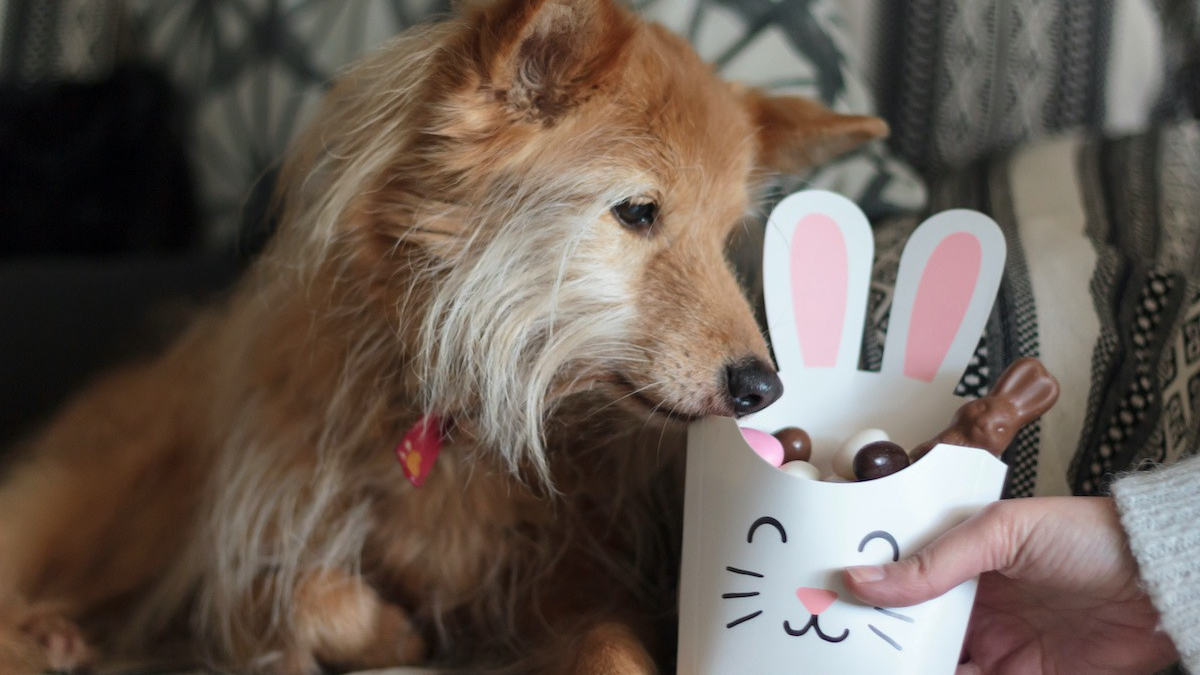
{"x": 887, "y": 617}
{"x": 766, "y": 520}
{"x": 880, "y": 534}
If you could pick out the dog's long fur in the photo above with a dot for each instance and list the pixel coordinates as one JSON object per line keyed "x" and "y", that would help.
{"x": 446, "y": 246}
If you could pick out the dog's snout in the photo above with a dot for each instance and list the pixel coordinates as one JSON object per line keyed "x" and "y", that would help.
{"x": 753, "y": 385}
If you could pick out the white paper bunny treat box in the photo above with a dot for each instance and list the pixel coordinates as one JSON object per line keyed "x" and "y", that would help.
{"x": 763, "y": 549}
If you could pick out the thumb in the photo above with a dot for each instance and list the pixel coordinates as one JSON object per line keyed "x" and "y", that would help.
{"x": 982, "y": 543}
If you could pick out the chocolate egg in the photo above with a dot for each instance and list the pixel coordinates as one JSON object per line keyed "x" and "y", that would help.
{"x": 843, "y": 461}
{"x": 797, "y": 445}
{"x": 879, "y": 459}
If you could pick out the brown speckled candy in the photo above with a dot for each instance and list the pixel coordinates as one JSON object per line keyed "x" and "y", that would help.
{"x": 797, "y": 445}
{"x": 879, "y": 459}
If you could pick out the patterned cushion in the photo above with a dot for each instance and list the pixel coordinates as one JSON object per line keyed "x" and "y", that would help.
{"x": 1181, "y": 47}
{"x": 963, "y": 78}
{"x": 254, "y": 69}
{"x": 42, "y": 40}
{"x": 798, "y": 47}
{"x": 1103, "y": 283}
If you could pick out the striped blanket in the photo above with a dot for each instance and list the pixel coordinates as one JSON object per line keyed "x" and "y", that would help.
{"x": 1102, "y": 283}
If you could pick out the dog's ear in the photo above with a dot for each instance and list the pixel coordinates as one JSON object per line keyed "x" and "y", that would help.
{"x": 542, "y": 57}
{"x": 795, "y": 133}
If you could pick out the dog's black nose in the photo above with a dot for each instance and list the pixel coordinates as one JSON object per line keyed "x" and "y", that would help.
{"x": 753, "y": 385}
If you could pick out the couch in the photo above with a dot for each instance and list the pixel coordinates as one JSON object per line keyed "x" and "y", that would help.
{"x": 1073, "y": 123}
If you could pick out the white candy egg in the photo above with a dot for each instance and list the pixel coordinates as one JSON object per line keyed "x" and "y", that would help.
{"x": 801, "y": 469}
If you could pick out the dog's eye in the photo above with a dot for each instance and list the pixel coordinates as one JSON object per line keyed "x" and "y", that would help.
{"x": 636, "y": 215}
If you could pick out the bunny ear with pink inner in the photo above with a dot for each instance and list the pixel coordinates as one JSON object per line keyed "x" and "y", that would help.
{"x": 948, "y": 278}
{"x": 822, "y": 244}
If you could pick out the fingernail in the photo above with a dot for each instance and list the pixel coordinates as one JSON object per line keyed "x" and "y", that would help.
{"x": 866, "y": 574}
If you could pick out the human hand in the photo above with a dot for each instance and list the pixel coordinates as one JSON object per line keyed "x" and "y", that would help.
{"x": 1058, "y": 591}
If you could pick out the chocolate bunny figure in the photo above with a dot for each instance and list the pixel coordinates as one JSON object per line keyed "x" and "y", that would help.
{"x": 1023, "y": 393}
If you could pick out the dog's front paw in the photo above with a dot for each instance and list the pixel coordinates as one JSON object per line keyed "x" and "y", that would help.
{"x": 394, "y": 641}
{"x": 347, "y": 624}
{"x": 612, "y": 649}
{"x": 59, "y": 640}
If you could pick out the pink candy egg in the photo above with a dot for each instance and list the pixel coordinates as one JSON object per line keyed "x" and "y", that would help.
{"x": 764, "y": 445}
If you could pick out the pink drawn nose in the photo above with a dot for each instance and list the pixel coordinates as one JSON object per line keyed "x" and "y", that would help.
{"x": 815, "y": 600}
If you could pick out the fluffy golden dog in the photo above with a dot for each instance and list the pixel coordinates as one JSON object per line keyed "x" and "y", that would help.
{"x": 513, "y": 221}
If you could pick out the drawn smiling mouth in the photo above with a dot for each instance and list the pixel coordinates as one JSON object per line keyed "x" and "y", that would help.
{"x": 813, "y": 624}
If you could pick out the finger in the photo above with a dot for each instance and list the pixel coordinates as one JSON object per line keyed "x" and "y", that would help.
{"x": 980, "y": 544}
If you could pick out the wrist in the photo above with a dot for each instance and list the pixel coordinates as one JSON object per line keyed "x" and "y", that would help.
{"x": 1159, "y": 510}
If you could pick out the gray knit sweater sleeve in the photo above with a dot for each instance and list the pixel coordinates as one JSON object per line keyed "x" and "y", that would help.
{"x": 1160, "y": 511}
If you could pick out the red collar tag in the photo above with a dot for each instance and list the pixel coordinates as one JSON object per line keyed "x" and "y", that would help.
{"x": 419, "y": 448}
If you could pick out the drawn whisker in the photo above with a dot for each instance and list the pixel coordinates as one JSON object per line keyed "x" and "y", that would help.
{"x": 895, "y": 615}
{"x": 746, "y": 572}
{"x": 885, "y": 637}
{"x": 727, "y": 596}
{"x": 743, "y": 619}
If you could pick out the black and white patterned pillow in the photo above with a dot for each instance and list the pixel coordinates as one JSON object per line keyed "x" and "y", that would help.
{"x": 798, "y": 47}
{"x": 1181, "y": 27}
{"x": 961, "y": 79}
{"x": 252, "y": 72}
{"x": 53, "y": 40}
{"x": 254, "y": 68}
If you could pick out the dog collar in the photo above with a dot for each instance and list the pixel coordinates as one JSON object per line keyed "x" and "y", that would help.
{"x": 419, "y": 448}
